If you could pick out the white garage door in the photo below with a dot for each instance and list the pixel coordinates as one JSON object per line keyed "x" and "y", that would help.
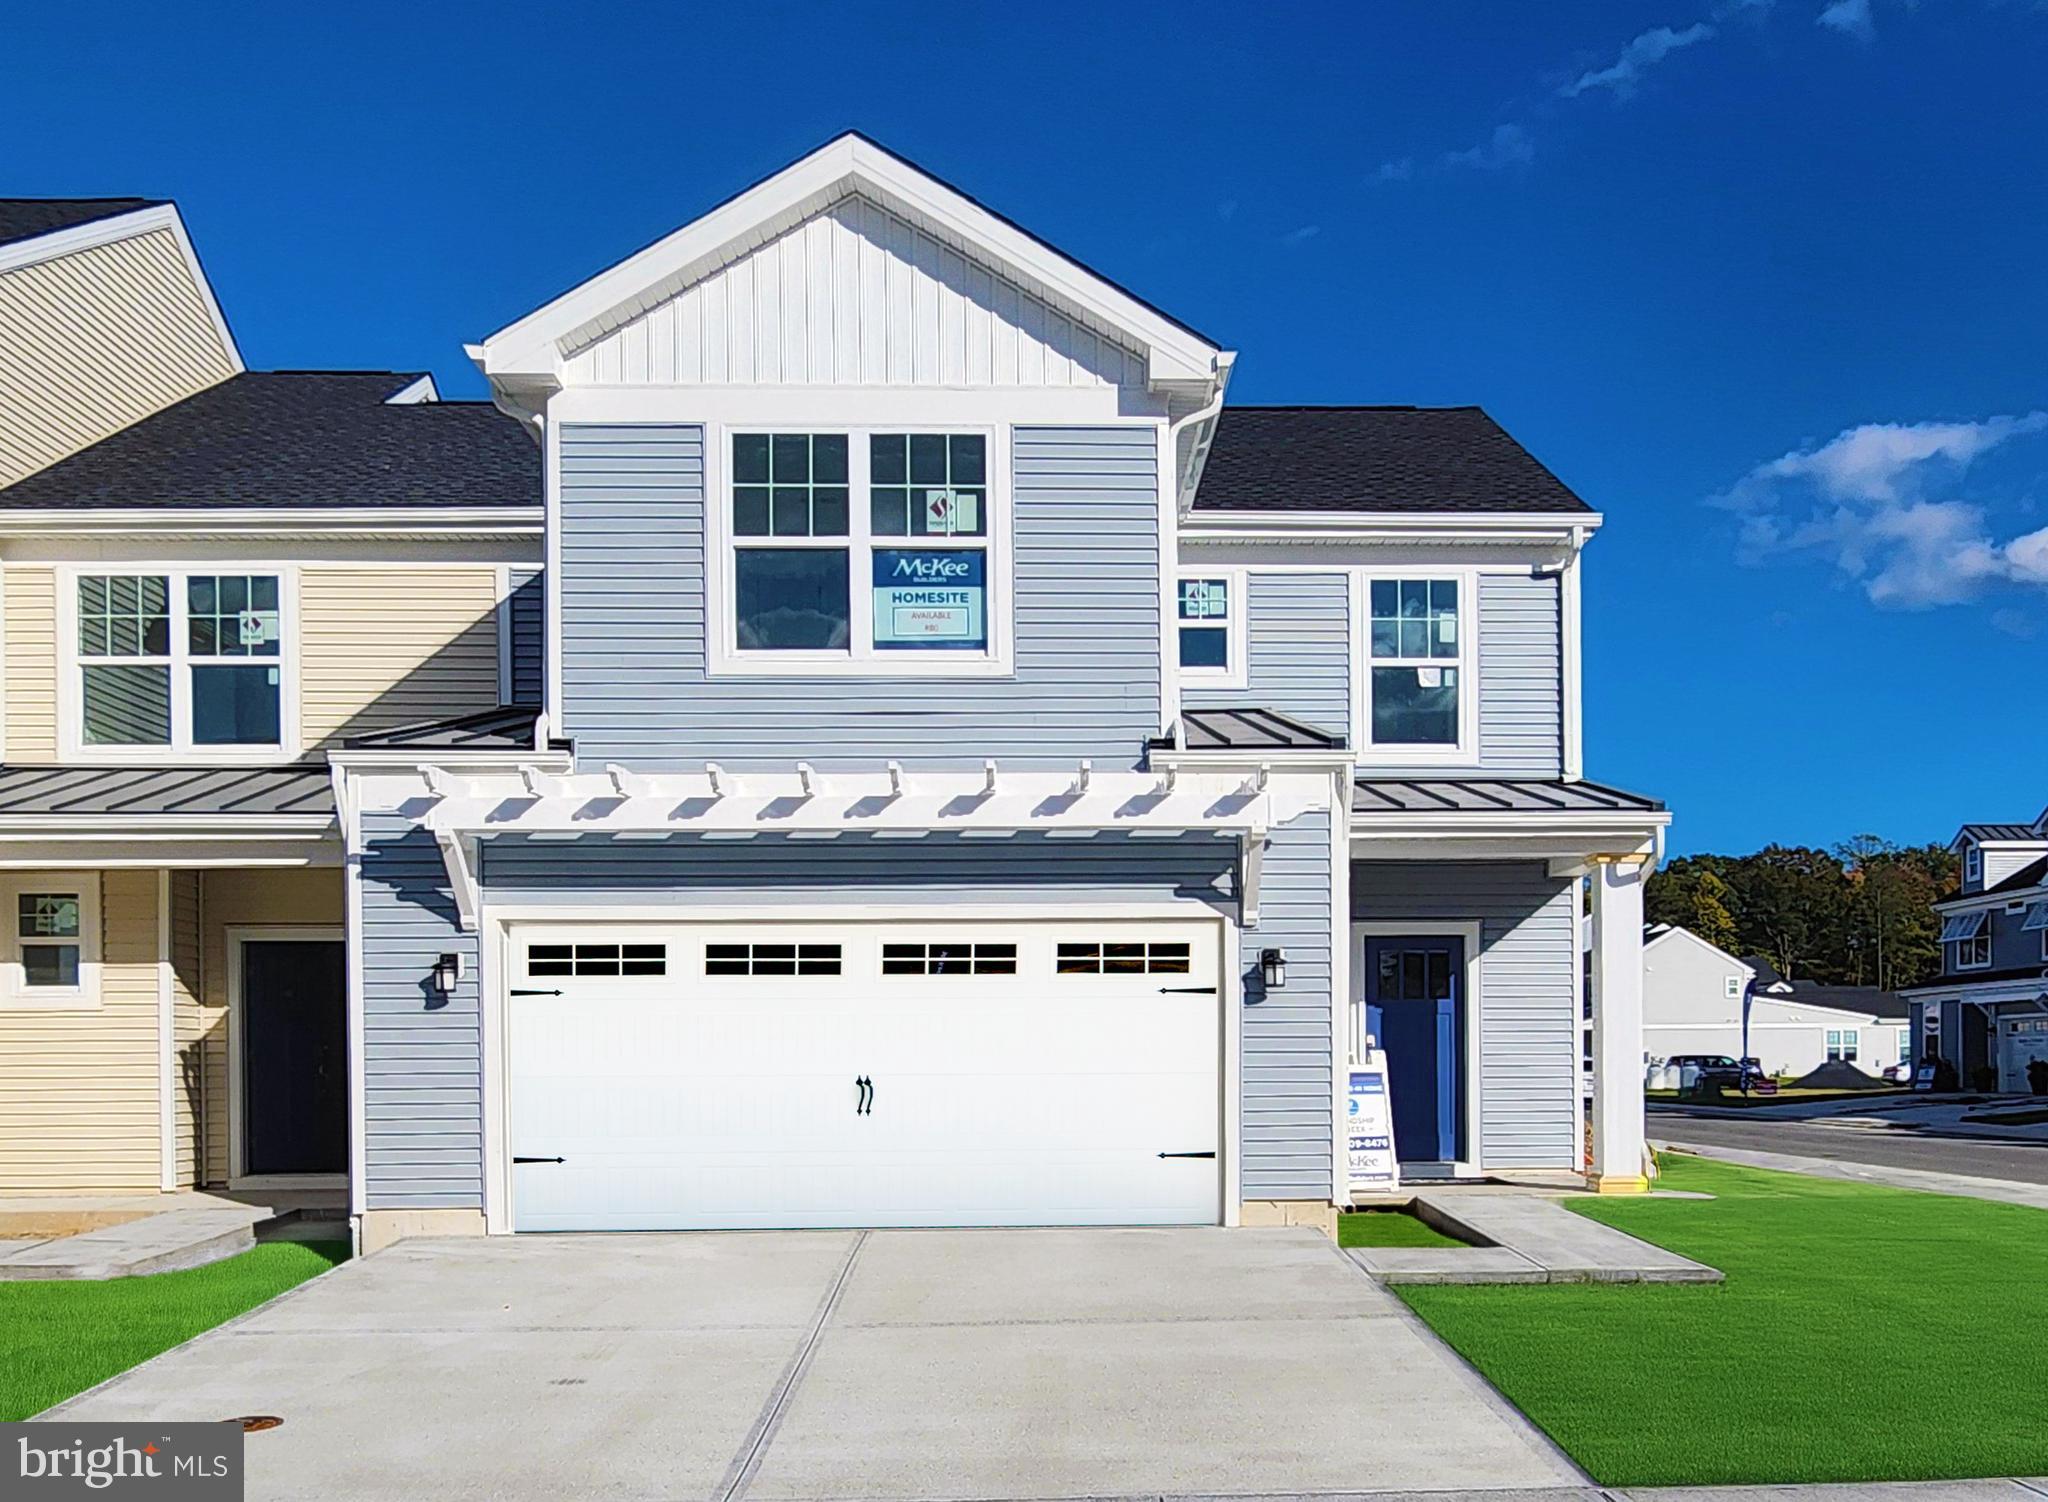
{"x": 680, "y": 1076}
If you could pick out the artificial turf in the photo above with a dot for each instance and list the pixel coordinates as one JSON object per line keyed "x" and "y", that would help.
{"x": 1863, "y": 1334}
{"x": 59, "y": 1338}
{"x": 1389, "y": 1228}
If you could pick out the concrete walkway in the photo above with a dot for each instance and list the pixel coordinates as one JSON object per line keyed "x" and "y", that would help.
{"x": 1522, "y": 1237}
{"x": 894, "y": 1365}
{"x": 2007, "y": 1191}
{"x": 129, "y": 1235}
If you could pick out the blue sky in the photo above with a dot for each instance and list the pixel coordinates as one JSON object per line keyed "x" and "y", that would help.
{"x": 1762, "y": 281}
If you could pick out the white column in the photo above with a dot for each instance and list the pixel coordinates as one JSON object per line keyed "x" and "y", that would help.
{"x": 1619, "y": 1152}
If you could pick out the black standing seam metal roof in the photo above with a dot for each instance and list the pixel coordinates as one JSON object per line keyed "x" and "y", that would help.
{"x": 299, "y": 438}
{"x": 1999, "y": 832}
{"x": 509, "y": 727}
{"x": 1337, "y": 459}
{"x": 1248, "y": 729}
{"x": 1482, "y": 795}
{"x": 26, "y": 218}
{"x": 223, "y": 791}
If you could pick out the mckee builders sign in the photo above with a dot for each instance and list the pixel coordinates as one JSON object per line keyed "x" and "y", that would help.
{"x": 932, "y": 597}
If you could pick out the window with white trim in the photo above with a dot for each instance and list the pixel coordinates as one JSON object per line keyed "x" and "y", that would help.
{"x": 171, "y": 661}
{"x": 861, "y": 547}
{"x": 50, "y": 948}
{"x": 1209, "y": 616}
{"x": 1843, "y": 1045}
{"x": 1417, "y": 668}
{"x": 1973, "y": 862}
{"x": 1968, "y": 937}
{"x": 1731, "y": 987}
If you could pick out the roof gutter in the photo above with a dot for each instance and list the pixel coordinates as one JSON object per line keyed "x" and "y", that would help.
{"x": 273, "y": 521}
{"x": 1188, "y": 478}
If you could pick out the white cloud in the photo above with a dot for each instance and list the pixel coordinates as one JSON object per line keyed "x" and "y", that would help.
{"x": 1301, "y": 236}
{"x": 1397, "y": 171}
{"x": 1648, "y": 49}
{"x": 1863, "y": 500}
{"x": 1851, "y": 17}
{"x": 1509, "y": 146}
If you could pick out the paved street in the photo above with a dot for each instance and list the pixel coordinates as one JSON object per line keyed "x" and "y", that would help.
{"x": 2021, "y": 1162}
{"x": 887, "y": 1364}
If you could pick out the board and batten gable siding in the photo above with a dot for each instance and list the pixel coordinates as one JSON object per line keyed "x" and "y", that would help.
{"x": 526, "y": 620}
{"x": 854, "y": 295}
{"x": 1297, "y": 648}
{"x": 1086, "y": 607}
{"x": 98, "y": 339}
{"x": 422, "y": 1053}
{"x": 30, "y": 623}
{"x": 1288, "y": 1034}
{"x": 1528, "y": 1023}
{"x": 381, "y": 647}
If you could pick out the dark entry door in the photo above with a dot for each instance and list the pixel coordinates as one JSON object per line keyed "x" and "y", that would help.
{"x": 1415, "y": 1006}
{"x": 294, "y": 1057}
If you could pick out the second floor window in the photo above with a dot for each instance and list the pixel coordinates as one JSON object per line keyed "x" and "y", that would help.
{"x": 866, "y": 547}
{"x": 1417, "y": 665}
{"x": 1973, "y": 862}
{"x": 1209, "y": 616}
{"x": 179, "y": 661}
{"x": 1968, "y": 937}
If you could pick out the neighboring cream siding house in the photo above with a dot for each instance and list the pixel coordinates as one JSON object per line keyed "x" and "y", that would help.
{"x": 105, "y": 317}
{"x": 1697, "y": 997}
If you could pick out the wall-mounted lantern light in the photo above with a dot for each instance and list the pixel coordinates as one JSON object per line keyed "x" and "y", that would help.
{"x": 1273, "y": 968}
{"x": 447, "y": 974}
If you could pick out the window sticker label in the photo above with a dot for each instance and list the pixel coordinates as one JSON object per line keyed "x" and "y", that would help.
{"x": 949, "y": 511}
{"x": 931, "y": 599}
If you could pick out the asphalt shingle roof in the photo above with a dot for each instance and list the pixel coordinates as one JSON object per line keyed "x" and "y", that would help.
{"x": 292, "y": 438}
{"x": 1373, "y": 459}
{"x": 25, "y": 218}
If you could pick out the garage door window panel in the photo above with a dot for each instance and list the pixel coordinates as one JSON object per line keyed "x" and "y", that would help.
{"x": 949, "y": 959}
{"x": 772, "y": 959}
{"x": 547, "y": 960}
{"x": 1122, "y": 958}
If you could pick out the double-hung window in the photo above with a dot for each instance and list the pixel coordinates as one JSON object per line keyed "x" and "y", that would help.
{"x": 1209, "y": 612}
{"x": 1418, "y": 703}
{"x": 863, "y": 547}
{"x": 49, "y": 946}
{"x": 177, "y": 662}
{"x": 1968, "y": 936}
{"x": 1843, "y": 1045}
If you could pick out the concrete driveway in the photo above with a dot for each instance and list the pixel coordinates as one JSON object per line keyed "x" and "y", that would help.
{"x": 887, "y": 1364}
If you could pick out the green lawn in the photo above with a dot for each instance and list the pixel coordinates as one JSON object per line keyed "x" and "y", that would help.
{"x": 1389, "y": 1228}
{"x": 1863, "y": 1334}
{"x": 57, "y": 1339}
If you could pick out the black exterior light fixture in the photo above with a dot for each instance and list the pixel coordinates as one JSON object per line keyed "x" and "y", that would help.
{"x": 447, "y": 974}
{"x": 1273, "y": 969}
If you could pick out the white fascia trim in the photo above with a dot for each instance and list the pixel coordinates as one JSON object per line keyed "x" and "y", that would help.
{"x": 1391, "y": 526}
{"x": 1244, "y": 759}
{"x": 370, "y": 763}
{"x": 534, "y": 345}
{"x": 115, "y": 227}
{"x": 1991, "y": 901}
{"x": 1368, "y": 828}
{"x": 275, "y": 521}
{"x": 422, "y": 390}
{"x": 146, "y": 826}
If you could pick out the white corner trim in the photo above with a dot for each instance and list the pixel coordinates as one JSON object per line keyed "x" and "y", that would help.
{"x": 166, "y": 1039}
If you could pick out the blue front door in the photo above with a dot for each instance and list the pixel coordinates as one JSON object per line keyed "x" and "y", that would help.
{"x": 1415, "y": 1007}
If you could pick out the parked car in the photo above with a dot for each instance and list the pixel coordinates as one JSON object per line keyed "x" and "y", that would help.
{"x": 1714, "y": 1069}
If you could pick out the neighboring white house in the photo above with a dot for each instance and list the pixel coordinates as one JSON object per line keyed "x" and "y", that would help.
{"x": 1694, "y": 995}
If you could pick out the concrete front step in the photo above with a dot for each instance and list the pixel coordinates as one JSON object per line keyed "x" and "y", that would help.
{"x": 159, "y": 1243}
{"x": 1518, "y": 1237}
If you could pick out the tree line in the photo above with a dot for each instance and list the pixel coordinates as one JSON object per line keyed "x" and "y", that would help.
{"x": 1859, "y": 914}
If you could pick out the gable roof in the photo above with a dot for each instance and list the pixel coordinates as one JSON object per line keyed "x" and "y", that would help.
{"x": 1659, "y": 933}
{"x": 531, "y": 347}
{"x": 26, "y": 218}
{"x": 298, "y": 438}
{"x": 1869, "y": 1000}
{"x": 1374, "y": 459}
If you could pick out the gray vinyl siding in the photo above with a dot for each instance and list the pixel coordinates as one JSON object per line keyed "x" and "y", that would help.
{"x": 942, "y": 869}
{"x": 1528, "y": 1026}
{"x": 1288, "y": 1034}
{"x": 422, "y": 1057}
{"x": 1521, "y": 684}
{"x": 1298, "y": 655}
{"x": 527, "y": 614}
{"x": 1086, "y": 609}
